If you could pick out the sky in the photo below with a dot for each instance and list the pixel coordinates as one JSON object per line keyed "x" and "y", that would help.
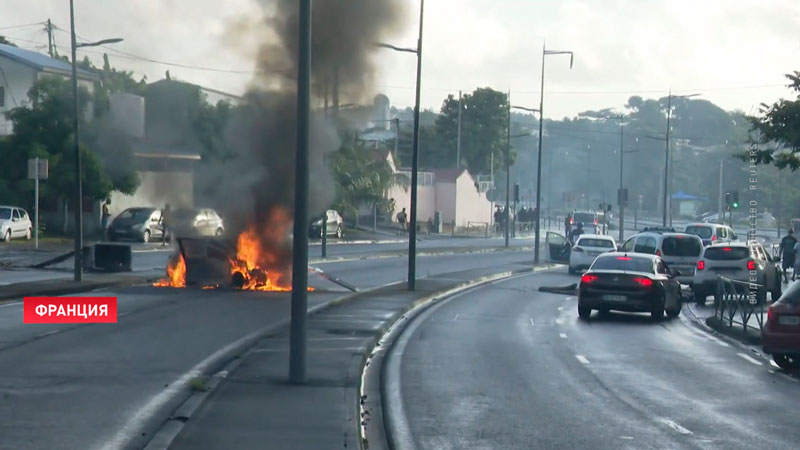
{"x": 733, "y": 52}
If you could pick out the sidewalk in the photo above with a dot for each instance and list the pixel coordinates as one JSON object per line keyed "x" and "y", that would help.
{"x": 252, "y": 405}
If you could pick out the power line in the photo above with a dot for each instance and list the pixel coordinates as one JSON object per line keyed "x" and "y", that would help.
{"x": 21, "y": 26}
{"x": 609, "y": 92}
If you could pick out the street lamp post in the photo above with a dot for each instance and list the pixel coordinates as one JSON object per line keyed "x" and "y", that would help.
{"x": 508, "y": 162}
{"x": 412, "y": 234}
{"x": 78, "y": 206}
{"x": 545, "y": 52}
{"x": 666, "y": 202}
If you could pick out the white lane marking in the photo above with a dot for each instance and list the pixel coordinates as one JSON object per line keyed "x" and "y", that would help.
{"x": 332, "y": 349}
{"x": 750, "y": 359}
{"x": 563, "y": 335}
{"x": 48, "y": 333}
{"x": 560, "y": 308}
{"x": 582, "y": 359}
{"x": 532, "y": 324}
{"x": 628, "y": 438}
{"x": 10, "y": 304}
{"x": 675, "y": 426}
{"x": 456, "y": 317}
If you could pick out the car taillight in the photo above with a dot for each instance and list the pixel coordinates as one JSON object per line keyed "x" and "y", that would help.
{"x": 595, "y": 221}
{"x": 770, "y": 314}
{"x": 587, "y": 279}
{"x": 701, "y": 265}
{"x": 658, "y": 252}
{"x": 624, "y": 258}
{"x": 643, "y": 282}
{"x": 577, "y": 249}
{"x": 751, "y": 265}
{"x": 713, "y": 237}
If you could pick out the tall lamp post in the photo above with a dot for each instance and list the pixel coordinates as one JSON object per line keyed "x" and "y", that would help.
{"x": 666, "y": 202}
{"x": 76, "y": 141}
{"x": 412, "y": 234}
{"x": 508, "y": 162}
{"x": 545, "y": 52}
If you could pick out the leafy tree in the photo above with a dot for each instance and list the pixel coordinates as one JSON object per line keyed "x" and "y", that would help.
{"x": 362, "y": 177}
{"x": 484, "y": 122}
{"x": 5, "y": 41}
{"x": 779, "y": 125}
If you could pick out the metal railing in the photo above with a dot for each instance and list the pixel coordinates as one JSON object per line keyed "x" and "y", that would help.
{"x": 740, "y": 300}
{"x": 477, "y": 227}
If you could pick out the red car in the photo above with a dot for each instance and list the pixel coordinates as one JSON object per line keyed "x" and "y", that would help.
{"x": 781, "y": 334}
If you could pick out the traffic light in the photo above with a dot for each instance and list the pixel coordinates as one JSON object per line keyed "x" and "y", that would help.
{"x": 516, "y": 192}
{"x": 735, "y": 199}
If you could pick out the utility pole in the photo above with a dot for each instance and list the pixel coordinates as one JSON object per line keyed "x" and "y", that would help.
{"x": 621, "y": 200}
{"x": 508, "y": 168}
{"x": 458, "y": 136}
{"x": 412, "y": 235}
{"x": 396, "y": 136}
{"x": 50, "y": 40}
{"x": 299, "y": 307}
{"x": 720, "y": 211}
{"x": 666, "y": 161}
{"x": 78, "y": 206}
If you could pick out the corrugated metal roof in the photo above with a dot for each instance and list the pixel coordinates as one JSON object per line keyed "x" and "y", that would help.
{"x": 42, "y": 62}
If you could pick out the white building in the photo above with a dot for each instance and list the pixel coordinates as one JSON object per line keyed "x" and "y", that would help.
{"x": 20, "y": 68}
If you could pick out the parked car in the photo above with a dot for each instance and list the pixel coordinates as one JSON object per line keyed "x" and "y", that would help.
{"x": 680, "y": 251}
{"x": 781, "y": 334}
{"x": 14, "y": 223}
{"x": 590, "y": 220}
{"x": 334, "y": 227}
{"x": 587, "y": 248}
{"x": 737, "y": 261}
{"x": 712, "y": 232}
{"x": 140, "y": 224}
{"x": 630, "y": 282}
{"x": 192, "y": 222}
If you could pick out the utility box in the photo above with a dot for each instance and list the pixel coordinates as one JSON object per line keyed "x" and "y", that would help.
{"x": 111, "y": 257}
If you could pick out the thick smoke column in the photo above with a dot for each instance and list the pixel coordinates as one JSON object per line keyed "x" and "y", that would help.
{"x": 259, "y": 180}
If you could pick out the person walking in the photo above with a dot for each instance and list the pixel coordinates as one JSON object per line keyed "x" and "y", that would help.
{"x": 105, "y": 216}
{"x": 165, "y": 222}
{"x": 567, "y": 225}
{"x": 573, "y": 235}
{"x": 788, "y": 254}
{"x": 402, "y": 218}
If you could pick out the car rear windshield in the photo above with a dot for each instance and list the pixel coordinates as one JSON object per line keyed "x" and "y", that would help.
{"x": 136, "y": 213}
{"x": 5, "y": 213}
{"x": 584, "y": 217}
{"x": 592, "y": 242}
{"x": 681, "y": 246}
{"x": 629, "y": 263}
{"x": 726, "y": 253}
{"x": 703, "y": 232}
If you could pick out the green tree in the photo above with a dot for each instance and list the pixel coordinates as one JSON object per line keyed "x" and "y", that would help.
{"x": 362, "y": 177}
{"x": 484, "y": 122}
{"x": 779, "y": 127}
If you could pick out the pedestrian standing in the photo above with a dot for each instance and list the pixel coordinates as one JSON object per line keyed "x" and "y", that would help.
{"x": 165, "y": 222}
{"x": 402, "y": 218}
{"x": 788, "y": 254}
{"x": 105, "y": 216}
{"x": 796, "y": 261}
{"x": 567, "y": 224}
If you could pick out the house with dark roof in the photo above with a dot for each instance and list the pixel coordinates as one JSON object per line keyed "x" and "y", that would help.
{"x": 20, "y": 68}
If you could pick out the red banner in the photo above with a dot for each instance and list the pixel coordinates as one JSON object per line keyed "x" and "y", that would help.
{"x": 70, "y": 310}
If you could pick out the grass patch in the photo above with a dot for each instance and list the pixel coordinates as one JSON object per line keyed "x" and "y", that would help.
{"x": 199, "y": 384}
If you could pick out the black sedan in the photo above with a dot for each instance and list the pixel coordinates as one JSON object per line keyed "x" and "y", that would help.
{"x": 632, "y": 283}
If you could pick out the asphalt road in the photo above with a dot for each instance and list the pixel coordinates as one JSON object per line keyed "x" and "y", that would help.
{"x": 505, "y": 366}
{"x": 97, "y": 386}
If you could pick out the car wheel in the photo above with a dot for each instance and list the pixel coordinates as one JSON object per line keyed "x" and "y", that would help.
{"x": 584, "y": 312}
{"x": 218, "y": 232}
{"x": 7, "y": 236}
{"x": 146, "y": 236}
{"x": 786, "y": 361}
{"x": 658, "y": 309}
{"x": 339, "y": 232}
{"x": 700, "y": 296}
{"x": 777, "y": 291}
{"x": 28, "y": 235}
{"x": 673, "y": 313}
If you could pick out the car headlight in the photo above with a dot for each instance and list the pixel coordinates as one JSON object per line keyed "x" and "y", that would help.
{"x": 317, "y": 222}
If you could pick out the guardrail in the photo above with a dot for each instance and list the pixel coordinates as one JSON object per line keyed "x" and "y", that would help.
{"x": 742, "y": 298}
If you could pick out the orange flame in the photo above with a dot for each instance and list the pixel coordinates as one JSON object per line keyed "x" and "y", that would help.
{"x": 176, "y": 274}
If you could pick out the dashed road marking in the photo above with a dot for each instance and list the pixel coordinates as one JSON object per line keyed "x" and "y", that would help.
{"x": 675, "y": 426}
{"x": 532, "y": 323}
{"x": 750, "y": 359}
{"x": 49, "y": 333}
{"x": 456, "y": 317}
{"x": 627, "y": 438}
{"x": 563, "y": 335}
{"x": 582, "y": 359}
{"x": 560, "y": 308}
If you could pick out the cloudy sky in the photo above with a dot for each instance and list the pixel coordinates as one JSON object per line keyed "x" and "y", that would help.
{"x": 734, "y": 52}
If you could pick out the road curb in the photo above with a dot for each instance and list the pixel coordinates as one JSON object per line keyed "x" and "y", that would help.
{"x": 86, "y": 286}
{"x": 374, "y": 428}
{"x": 708, "y": 328}
{"x": 464, "y": 251}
